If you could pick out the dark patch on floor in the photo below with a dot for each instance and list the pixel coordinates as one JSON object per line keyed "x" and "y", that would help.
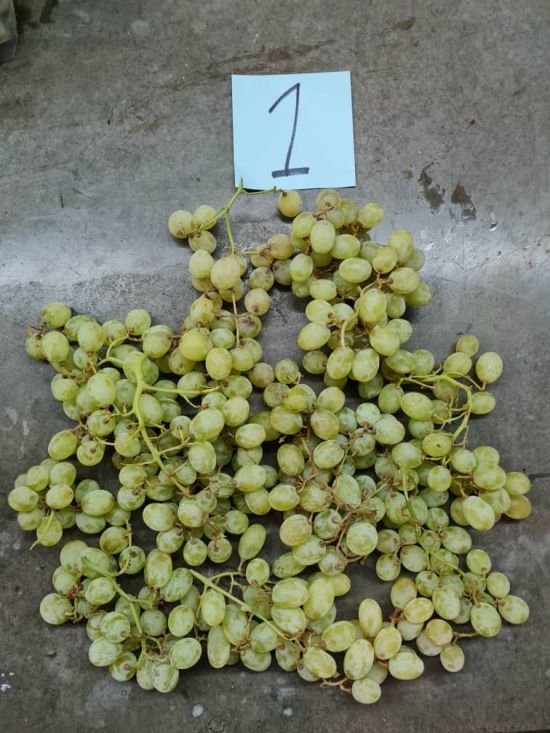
{"x": 407, "y": 173}
{"x": 432, "y": 192}
{"x": 47, "y": 11}
{"x": 461, "y": 198}
{"x": 405, "y": 25}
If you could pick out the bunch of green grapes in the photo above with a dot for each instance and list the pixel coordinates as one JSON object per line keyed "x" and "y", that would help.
{"x": 387, "y": 473}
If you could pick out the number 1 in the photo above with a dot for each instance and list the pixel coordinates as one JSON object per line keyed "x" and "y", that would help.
{"x": 287, "y": 171}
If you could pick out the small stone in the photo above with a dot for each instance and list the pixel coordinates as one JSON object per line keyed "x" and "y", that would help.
{"x": 197, "y": 711}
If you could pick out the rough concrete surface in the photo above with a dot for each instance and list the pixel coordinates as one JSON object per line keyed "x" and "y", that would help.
{"x": 114, "y": 114}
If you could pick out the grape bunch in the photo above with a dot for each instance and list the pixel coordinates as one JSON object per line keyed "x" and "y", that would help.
{"x": 360, "y": 451}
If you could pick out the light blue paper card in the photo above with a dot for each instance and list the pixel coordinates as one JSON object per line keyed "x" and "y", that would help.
{"x": 293, "y": 130}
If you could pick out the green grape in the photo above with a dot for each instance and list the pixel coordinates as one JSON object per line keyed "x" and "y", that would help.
{"x": 517, "y": 484}
{"x": 498, "y": 585}
{"x": 361, "y": 538}
{"x": 513, "y": 609}
{"x": 478, "y": 513}
{"x": 103, "y": 653}
{"x": 124, "y": 667}
{"x": 446, "y": 603}
{"x": 452, "y": 658}
{"x": 405, "y": 666}
{"x": 419, "y": 610}
{"x": 482, "y": 403}
{"x": 164, "y": 676}
{"x": 439, "y": 632}
{"x": 251, "y": 541}
{"x": 486, "y": 620}
{"x": 56, "y": 609}
{"x": 185, "y": 653}
{"x": 489, "y": 367}
{"x": 427, "y": 646}
{"x": 403, "y": 591}
{"x": 387, "y": 642}
{"x": 370, "y": 617}
{"x": 256, "y": 661}
{"x": 319, "y": 662}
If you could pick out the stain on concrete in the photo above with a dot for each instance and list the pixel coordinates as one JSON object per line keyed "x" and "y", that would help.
{"x": 47, "y": 11}
{"x": 31, "y": 15}
{"x": 407, "y": 173}
{"x": 255, "y": 61}
{"x": 406, "y": 24}
{"x": 432, "y": 192}
{"x": 461, "y": 198}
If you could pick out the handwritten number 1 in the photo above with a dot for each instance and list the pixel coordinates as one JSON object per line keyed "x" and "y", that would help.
{"x": 287, "y": 171}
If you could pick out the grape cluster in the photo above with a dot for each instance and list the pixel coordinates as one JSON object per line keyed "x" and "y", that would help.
{"x": 386, "y": 473}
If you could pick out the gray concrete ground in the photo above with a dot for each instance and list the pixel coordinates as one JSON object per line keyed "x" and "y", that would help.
{"x": 112, "y": 115}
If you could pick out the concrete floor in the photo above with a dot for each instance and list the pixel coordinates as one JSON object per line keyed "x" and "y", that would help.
{"x": 114, "y": 114}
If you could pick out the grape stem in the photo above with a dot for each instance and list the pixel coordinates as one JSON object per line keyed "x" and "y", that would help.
{"x": 208, "y": 582}
{"x": 226, "y": 208}
{"x": 455, "y": 383}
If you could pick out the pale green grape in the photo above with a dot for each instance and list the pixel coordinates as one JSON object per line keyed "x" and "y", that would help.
{"x": 489, "y": 367}
{"x": 405, "y": 666}
{"x": 513, "y": 609}
{"x": 485, "y": 619}
{"x": 452, "y": 658}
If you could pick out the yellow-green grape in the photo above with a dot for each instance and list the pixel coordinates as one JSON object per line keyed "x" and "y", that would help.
{"x": 164, "y": 676}
{"x": 498, "y": 585}
{"x": 257, "y": 301}
{"x": 358, "y": 659}
{"x": 370, "y": 215}
{"x": 180, "y": 223}
{"x": 402, "y": 242}
{"x": 320, "y": 599}
{"x": 258, "y": 572}
{"x": 467, "y": 344}
{"x": 56, "y": 609}
{"x": 513, "y": 609}
{"x": 361, "y": 538}
{"x": 489, "y": 367}
{"x": 256, "y": 661}
{"x": 49, "y": 531}
{"x": 517, "y": 484}
{"x": 158, "y": 568}
{"x": 478, "y": 513}
{"x": 289, "y": 203}
{"x": 328, "y": 199}
{"x": 452, "y": 658}
{"x": 252, "y": 541}
{"x": 387, "y": 642}
{"x": 204, "y": 216}
{"x": 301, "y": 268}
{"x": 355, "y": 270}
{"x": 55, "y": 314}
{"x": 370, "y": 617}
{"x": 33, "y": 347}
{"x": 419, "y": 610}
{"x": 339, "y": 636}
{"x": 319, "y": 662}
{"x": 457, "y": 364}
{"x": 55, "y": 346}
{"x": 185, "y": 653}
{"x": 440, "y": 632}
{"x": 485, "y": 619}
{"x": 406, "y": 666}
{"x": 520, "y": 508}
{"x": 403, "y": 591}
{"x": 482, "y": 403}
{"x": 103, "y": 653}
{"x": 366, "y": 691}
